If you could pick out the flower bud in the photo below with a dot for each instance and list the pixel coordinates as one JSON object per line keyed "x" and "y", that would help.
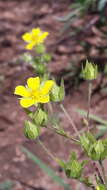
{"x": 85, "y": 142}
{"x": 47, "y": 57}
{"x": 40, "y": 117}
{"x": 57, "y": 92}
{"x": 37, "y": 60}
{"x": 40, "y": 68}
{"x": 40, "y": 49}
{"x": 73, "y": 167}
{"x": 101, "y": 187}
{"x": 96, "y": 151}
{"x": 75, "y": 170}
{"x": 90, "y": 71}
{"x": 31, "y": 131}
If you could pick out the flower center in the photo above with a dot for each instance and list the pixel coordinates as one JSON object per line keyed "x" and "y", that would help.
{"x": 35, "y": 94}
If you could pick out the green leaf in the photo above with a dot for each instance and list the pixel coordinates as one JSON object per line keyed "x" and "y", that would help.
{"x": 73, "y": 156}
{"x": 46, "y": 169}
{"x": 67, "y": 17}
{"x": 92, "y": 116}
{"x": 102, "y": 131}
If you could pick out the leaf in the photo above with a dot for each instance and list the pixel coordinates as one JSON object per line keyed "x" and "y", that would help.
{"x": 103, "y": 130}
{"x": 67, "y": 17}
{"x": 46, "y": 169}
{"x": 102, "y": 127}
{"x": 92, "y": 116}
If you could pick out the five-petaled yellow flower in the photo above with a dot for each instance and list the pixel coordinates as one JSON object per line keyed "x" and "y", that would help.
{"x": 34, "y": 92}
{"x": 34, "y": 38}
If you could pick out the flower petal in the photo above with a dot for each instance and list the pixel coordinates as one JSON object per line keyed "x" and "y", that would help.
{"x": 36, "y": 31}
{"x": 26, "y": 102}
{"x": 30, "y": 46}
{"x": 44, "y": 99}
{"x": 42, "y": 37}
{"x": 47, "y": 87}
{"x": 33, "y": 83}
{"x": 22, "y": 91}
{"x": 27, "y": 37}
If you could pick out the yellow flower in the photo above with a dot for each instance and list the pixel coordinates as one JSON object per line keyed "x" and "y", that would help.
{"x": 34, "y": 92}
{"x": 101, "y": 187}
{"x": 97, "y": 188}
{"x": 34, "y": 38}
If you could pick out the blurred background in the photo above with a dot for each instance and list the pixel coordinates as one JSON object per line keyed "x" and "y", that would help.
{"x": 78, "y": 31}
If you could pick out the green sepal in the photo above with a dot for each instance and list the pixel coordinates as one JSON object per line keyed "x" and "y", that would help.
{"x": 86, "y": 140}
{"x": 90, "y": 71}
{"x": 101, "y": 187}
{"x": 37, "y": 60}
{"x": 31, "y": 131}
{"x": 40, "y": 49}
{"x": 73, "y": 168}
{"x": 40, "y": 117}
{"x": 40, "y": 68}
{"x": 46, "y": 57}
{"x": 62, "y": 90}
{"x": 98, "y": 151}
{"x": 57, "y": 92}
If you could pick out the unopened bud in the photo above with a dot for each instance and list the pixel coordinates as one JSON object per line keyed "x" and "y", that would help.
{"x": 47, "y": 57}
{"x": 40, "y": 68}
{"x": 40, "y": 49}
{"x": 40, "y": 117}
{"x": 31, "y": 131}
{"x": 57, "y": 93}
{"x": 90, "y": 71}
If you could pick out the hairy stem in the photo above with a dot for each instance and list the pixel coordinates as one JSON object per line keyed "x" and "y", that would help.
{"x": 89, "y": 102}
{"x": 70, "y": 120}
{"x": 66, "y": 135}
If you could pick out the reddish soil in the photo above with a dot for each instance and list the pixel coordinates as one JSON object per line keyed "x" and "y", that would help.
{"x": 17, "y": 17}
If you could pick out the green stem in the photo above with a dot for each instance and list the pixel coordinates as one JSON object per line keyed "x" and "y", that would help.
{"x": 89, "y": 102}
{"x": 66, "y": 135}
{"x": 70, "y": 120}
